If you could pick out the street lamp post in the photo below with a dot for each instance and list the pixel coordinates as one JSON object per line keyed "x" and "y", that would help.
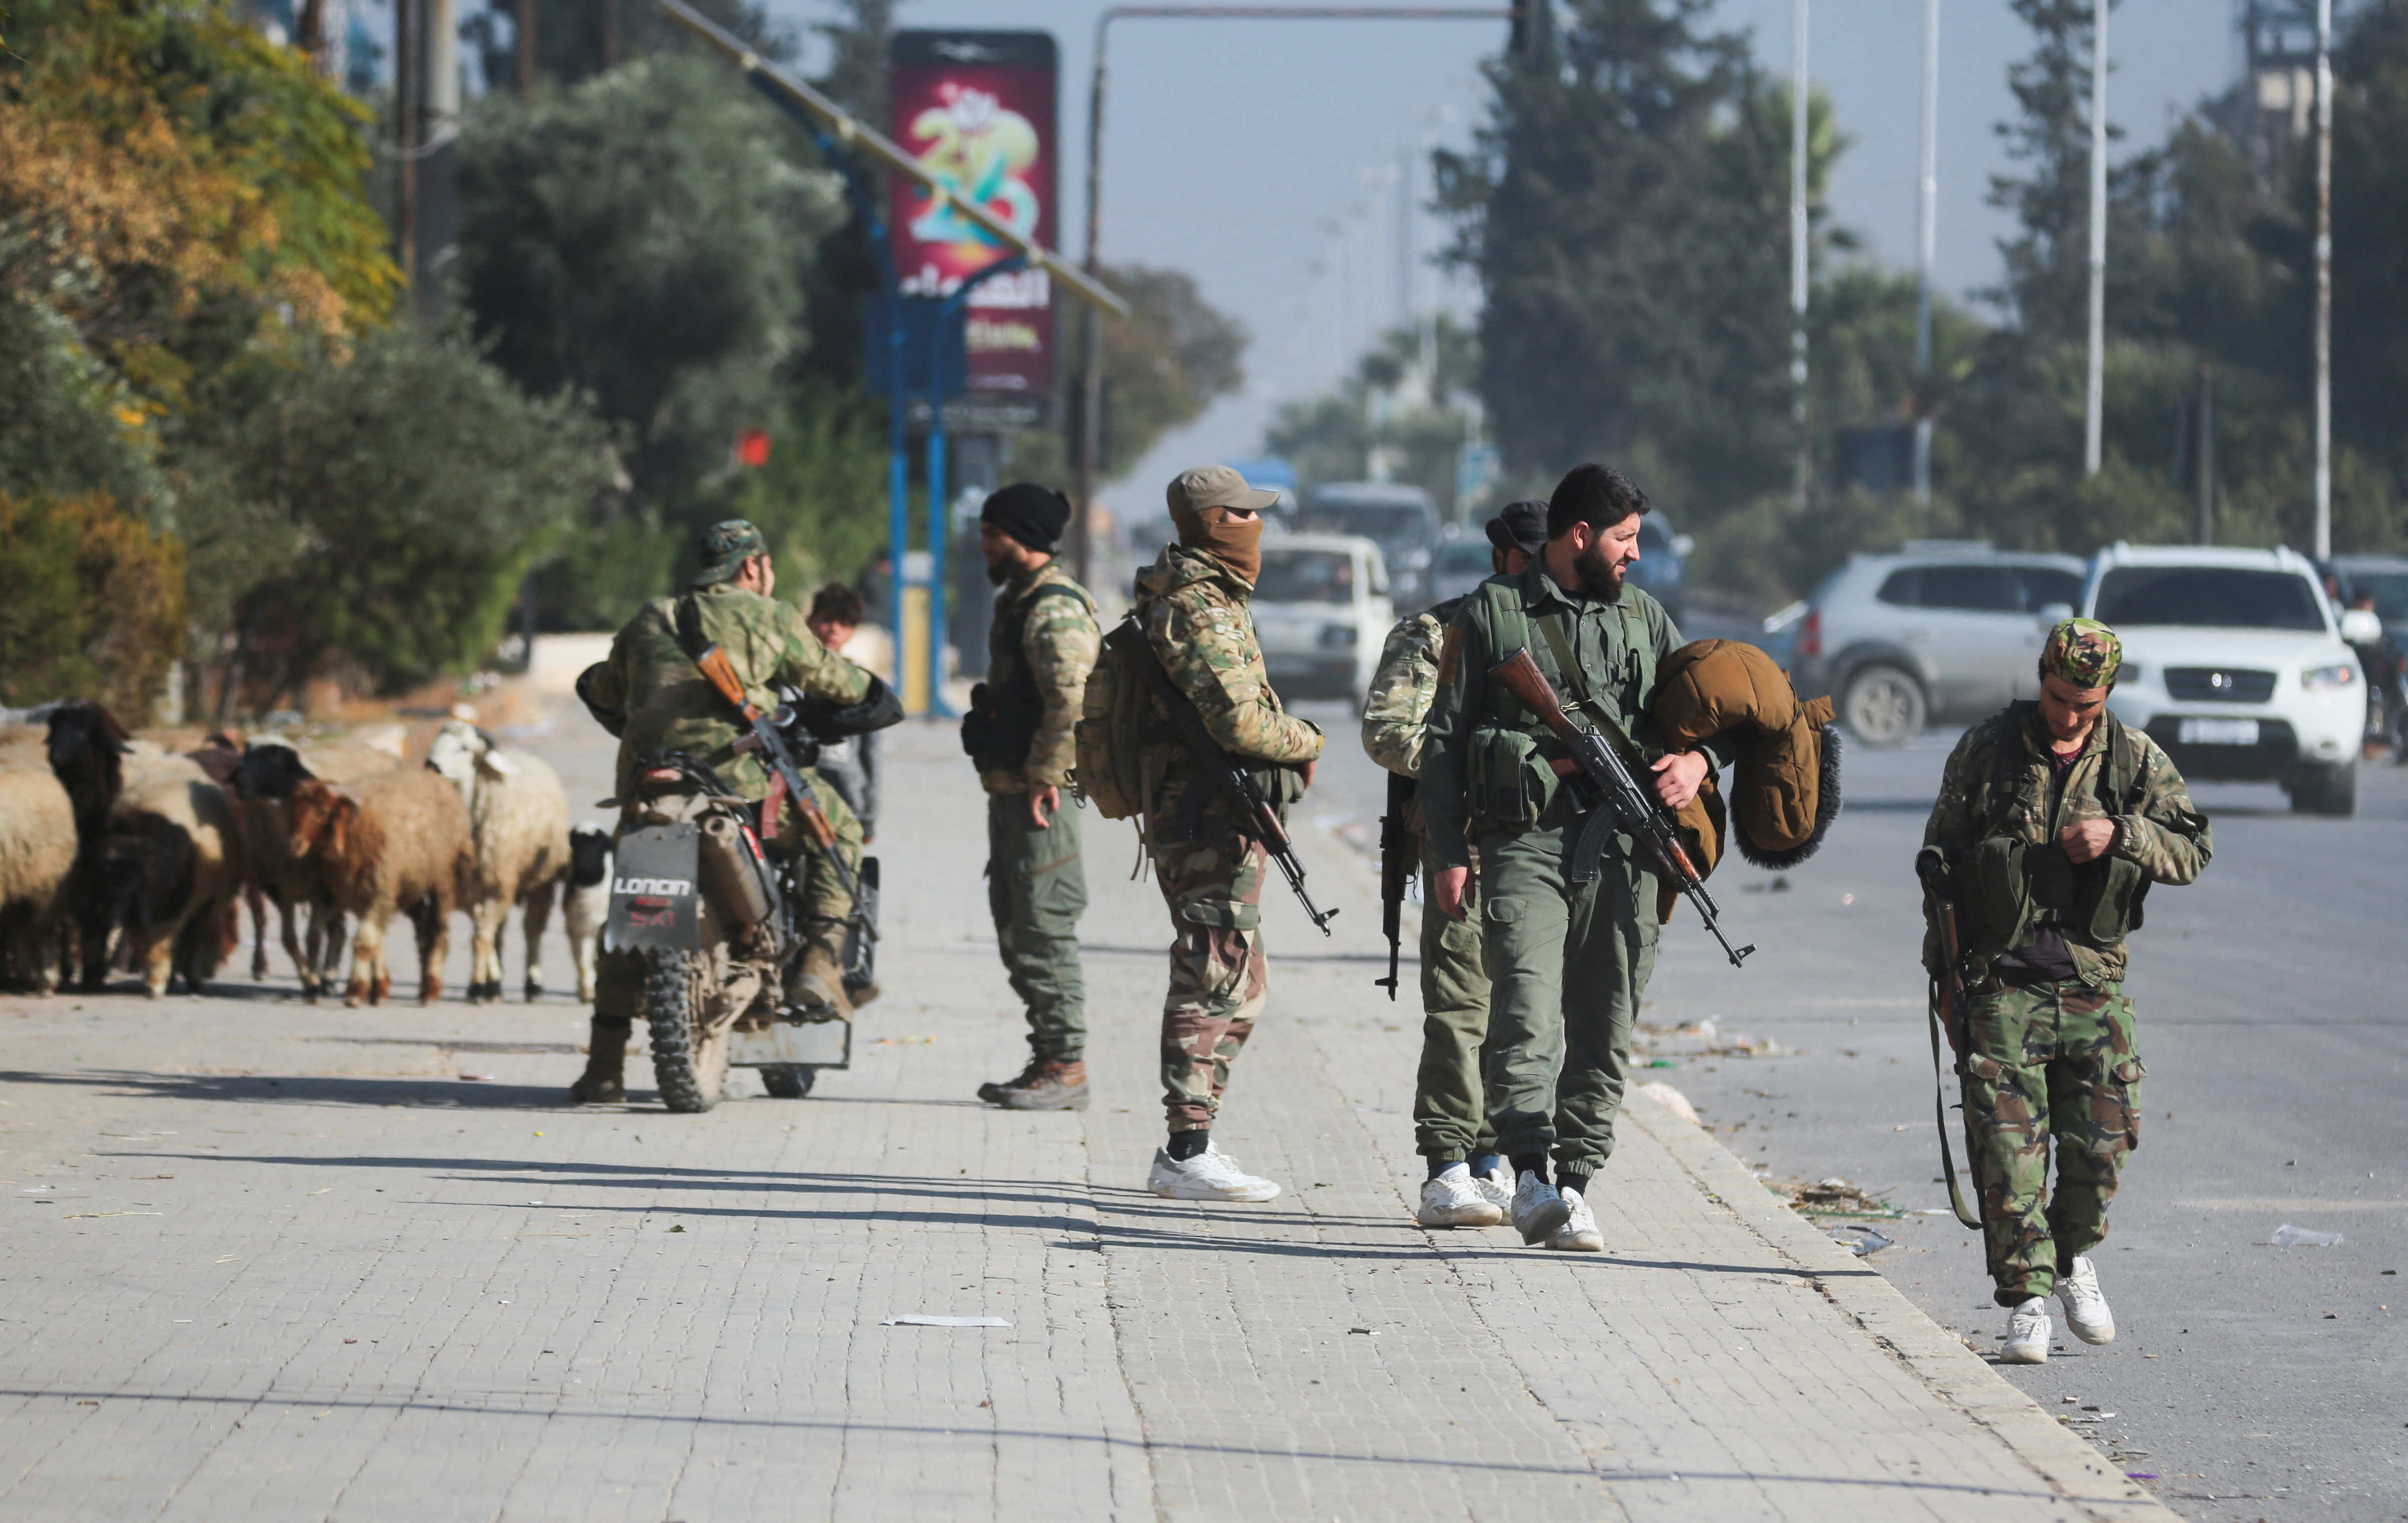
{"x": 2095, "y": 384}
{"x": 1797, "y": 262}
{"x": 1927, "y": 238}
{"x": 2324, "y": 278}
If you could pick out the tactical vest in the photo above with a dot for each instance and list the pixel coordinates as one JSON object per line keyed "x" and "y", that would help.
{"x": 2012, "y": 885}
{"x": 1002, "y": 722}
{"x": 1508, "y": 782}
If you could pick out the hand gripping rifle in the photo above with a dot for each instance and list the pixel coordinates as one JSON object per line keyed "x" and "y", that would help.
{"x": 1255, "y": 815}
{"x": 720, "y": 673}
{"x": 1397, "y": 866}
{"x": 1947, "y": 1012}
{"x": 1625, "y": 803}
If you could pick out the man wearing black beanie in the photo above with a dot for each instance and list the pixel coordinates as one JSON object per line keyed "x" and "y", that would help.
{"x": 1043, "y": 643}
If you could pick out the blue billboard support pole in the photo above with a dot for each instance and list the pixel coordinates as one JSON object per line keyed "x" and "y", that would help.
{"x": 898, "y": 460}
{"x": 941, "y": 507}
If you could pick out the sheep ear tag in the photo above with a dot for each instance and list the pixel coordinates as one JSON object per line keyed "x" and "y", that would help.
{"x": 653, "y": 899}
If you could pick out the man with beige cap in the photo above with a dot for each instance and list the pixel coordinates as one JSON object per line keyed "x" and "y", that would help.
{"x": 1192, "y": 605}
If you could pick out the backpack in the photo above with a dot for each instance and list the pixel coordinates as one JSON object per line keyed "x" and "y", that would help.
{"x": 1112, "y": 715}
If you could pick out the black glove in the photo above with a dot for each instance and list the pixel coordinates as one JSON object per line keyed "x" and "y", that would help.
{"x": 878, "y": 708}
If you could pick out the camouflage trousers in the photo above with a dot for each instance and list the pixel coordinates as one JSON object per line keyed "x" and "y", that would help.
{"x": 1218, "y": 979}
{"x": 1449, "y": 1099}
{"x": 619, "y": 975}
{"x": 1036, "y": 889}
{"x": 2047, "y": 1061}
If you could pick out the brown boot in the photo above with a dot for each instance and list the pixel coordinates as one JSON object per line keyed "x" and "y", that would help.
{"x": 819, "y": 987}
{"x": 1057, "y": 1084}
{"x": 605, "y": 1079}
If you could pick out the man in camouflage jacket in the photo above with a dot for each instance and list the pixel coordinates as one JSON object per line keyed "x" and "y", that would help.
{"x": 650, "y": 694}
{"x": 1192, "y": 605}
{"x": 1043, "y": 643}
{"x": 1469, "y": 1184}
{"x": 2054, "y": 818}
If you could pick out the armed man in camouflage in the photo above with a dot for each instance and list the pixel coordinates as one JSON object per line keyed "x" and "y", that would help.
{"x": 653, "y": 697}
{"x": 1468, "y": 1183}
{"x": 1192, "y": 604}
{"x": 1571, "y": 958}
{"x": 1040, "y": 648}
{"x": 2054, "y": 818}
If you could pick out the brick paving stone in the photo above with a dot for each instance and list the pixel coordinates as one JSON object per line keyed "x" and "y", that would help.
{"x": 265, "y": 1261}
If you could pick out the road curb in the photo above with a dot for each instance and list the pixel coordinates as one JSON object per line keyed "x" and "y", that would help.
{"x": 1954, "y": 1373}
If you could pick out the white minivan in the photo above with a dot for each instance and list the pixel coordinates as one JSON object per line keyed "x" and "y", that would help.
{"x": 1320, "y": 610}
{"x": 2236, "y": 665}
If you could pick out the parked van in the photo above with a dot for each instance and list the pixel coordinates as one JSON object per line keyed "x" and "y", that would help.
{"x": 1398, "y": 518}
{"x": 1321, "y": 609}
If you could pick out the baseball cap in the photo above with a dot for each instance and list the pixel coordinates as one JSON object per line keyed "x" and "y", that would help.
{"x": 1214, "y": 486}
{"x": 1520, "y": 526}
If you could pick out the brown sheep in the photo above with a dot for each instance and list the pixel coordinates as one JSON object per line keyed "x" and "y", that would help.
{"x": 394, "y": 843}
{"x": 37, "y": 856}
{"x": 170, "y": 869}
{"x": 263, "y": 778}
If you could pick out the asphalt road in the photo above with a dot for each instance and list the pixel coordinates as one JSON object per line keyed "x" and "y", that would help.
{"x": 2250, "y": 1381}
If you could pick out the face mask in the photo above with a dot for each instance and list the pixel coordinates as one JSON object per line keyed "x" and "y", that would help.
{"x": 1237, "y": 546}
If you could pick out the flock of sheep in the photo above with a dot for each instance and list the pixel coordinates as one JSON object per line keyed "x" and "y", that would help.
{"x": 125, "y": 851}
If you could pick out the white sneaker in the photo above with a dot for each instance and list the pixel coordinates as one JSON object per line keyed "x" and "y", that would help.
{"x": 1578, "y": 1234}
{"x": 2026, "y": 1334}
{"x": 1210, "y": 1175}
{"x": 2086, "y": 1309}
{"x": 1454, "y": 1199}
{"x": 1496, "y": 1186}
{"x": 1538, "y": 1210}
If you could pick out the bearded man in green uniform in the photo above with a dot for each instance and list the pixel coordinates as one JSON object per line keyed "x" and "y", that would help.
{"x": 1569, "y": 959}
{"x": 653, "y": 697}
{"x": 1019, "y": 732}
{"x": 1468, "y": 1183}
{"x": 2053, "y": 820}
{"x": 1192, "y": 605}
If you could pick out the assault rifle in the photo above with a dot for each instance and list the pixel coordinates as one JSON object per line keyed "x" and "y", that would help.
{"x": 1397, "y": 865}
{"x": 1625, "y": 803}
{"x": 1947, "y": 1012}
{"x": 765, "y": 738}
{"x": 1255, "y": 815}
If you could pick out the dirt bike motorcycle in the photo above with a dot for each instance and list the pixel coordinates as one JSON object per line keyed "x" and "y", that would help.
{"x": 720, "y": 923}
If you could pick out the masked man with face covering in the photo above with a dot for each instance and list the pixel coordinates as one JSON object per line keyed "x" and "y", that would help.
{"x": 1192, "y": 604}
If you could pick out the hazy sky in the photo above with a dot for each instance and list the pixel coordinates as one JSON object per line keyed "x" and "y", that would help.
{"x": 1231, "y": 148}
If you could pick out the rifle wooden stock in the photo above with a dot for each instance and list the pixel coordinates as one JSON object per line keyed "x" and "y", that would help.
{"x": 1523, "y": 680}
{"x": 720, "y": 673}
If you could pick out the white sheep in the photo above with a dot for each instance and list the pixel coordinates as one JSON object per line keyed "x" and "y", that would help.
{"x": 37, "y": 856}
{"x": 518, "y": 816}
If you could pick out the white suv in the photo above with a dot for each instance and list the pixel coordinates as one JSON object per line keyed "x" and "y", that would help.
{"x": 2234, "y": 664}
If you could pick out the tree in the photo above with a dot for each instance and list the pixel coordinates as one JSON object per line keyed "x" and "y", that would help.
{"x": 1622, "y": 213}
{"x": 1417, "y": 422}
{"x": 423, "y": 485}
{"x": 90, "y": 602}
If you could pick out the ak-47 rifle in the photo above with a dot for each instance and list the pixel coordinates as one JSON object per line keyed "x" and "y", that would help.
{"x": 720, "y": 673}
{"x": 1255, "y": 815}
{"x": 1625, "y": 805}
{"x": 1397, "y": 865}
{"x": 1947, "y": 1012}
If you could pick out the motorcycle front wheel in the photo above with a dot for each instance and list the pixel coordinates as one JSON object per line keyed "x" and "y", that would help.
{"x": 689, "y": 1055}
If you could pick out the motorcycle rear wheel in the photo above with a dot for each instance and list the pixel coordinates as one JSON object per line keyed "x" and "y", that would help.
{"x": 688, "y": 1057}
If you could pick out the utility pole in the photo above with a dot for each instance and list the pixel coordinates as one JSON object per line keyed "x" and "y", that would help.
{"x": 524, "y": 43}
{"x": 408, "y": 87}
{"x": 1927, "y": 240}
{"x": 2095, "y": 385}
{"x": 2323, "y": 277}
{"x": 610, "y": 33}
{"x": 1798, "y": 221}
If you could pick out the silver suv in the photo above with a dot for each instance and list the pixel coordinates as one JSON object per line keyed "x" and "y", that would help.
{"x": 1942, "y": 631}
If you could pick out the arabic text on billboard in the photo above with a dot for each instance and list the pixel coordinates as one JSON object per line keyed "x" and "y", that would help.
{"x": 978, "y": 108}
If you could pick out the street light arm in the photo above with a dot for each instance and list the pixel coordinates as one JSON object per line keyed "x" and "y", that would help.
{"x": 854, "y": 132}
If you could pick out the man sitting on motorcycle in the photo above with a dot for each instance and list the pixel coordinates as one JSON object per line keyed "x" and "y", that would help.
{"x": 650, "y": 694}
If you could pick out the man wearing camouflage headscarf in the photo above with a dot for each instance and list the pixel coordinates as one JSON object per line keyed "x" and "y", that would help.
{"x": 653, "y": 697}
{"x": 2053, "y": 820}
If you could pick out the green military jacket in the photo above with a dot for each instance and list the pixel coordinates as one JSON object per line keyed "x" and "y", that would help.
{"x": 666, "y": 704}
{"x": 1607, "y": 640}
{"x": 1396, "y": 716}
{"x": 1992, "y": 822}
{"x": 1193, "y": 610}
{"x": 1051, "y": 642}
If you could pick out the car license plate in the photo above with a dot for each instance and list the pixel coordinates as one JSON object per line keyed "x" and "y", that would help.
{"x": 2219, "y": 732}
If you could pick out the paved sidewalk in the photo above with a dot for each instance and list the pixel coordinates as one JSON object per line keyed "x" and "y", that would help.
{"x": 265, "y": 1261}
